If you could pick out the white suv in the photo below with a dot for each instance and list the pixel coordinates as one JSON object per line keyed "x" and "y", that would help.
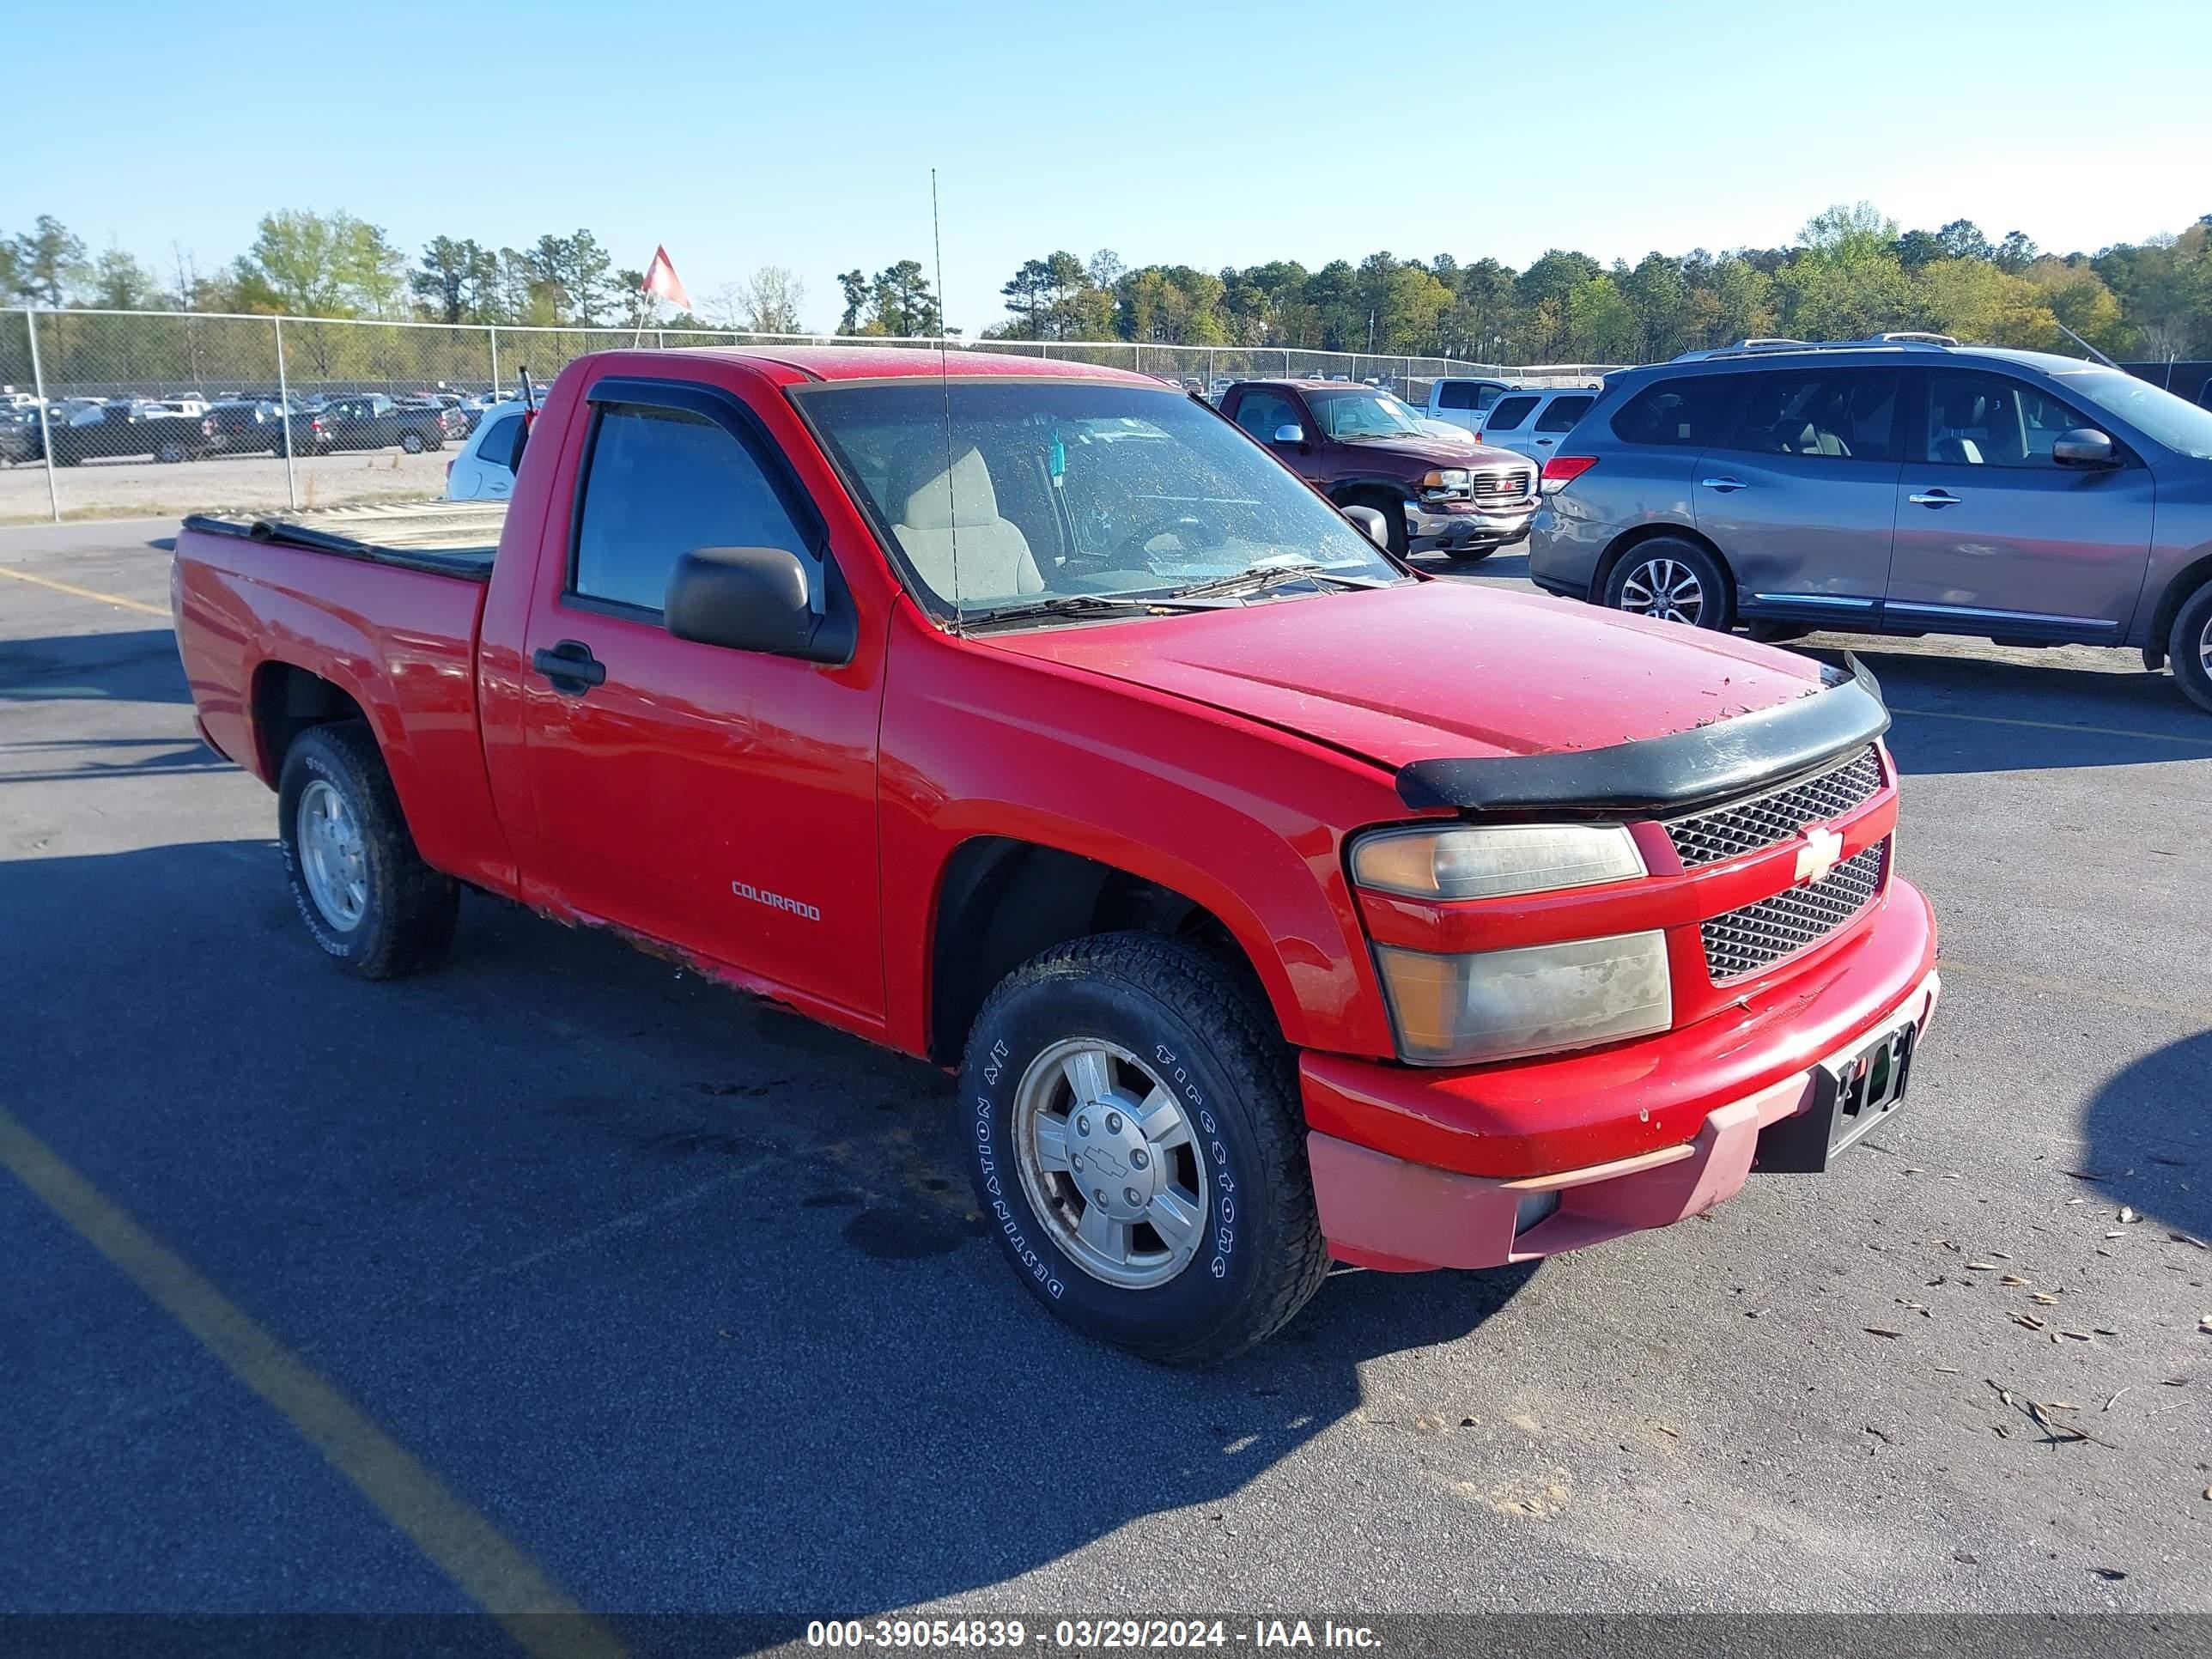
{"x": 484, "y": 470}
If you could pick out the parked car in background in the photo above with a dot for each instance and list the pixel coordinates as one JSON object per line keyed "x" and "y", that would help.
{"x": 241, "y": 427}
{"x": 21, "y": 439}
{"x": 1437, "y": 489}
{"x": 1273, "y": 903}
{"x": 191, "y": 406}
{"x": 1912, "y": 486}
{"x": 1532, "y": 422}
{"x": 484, "y": 470}
{"x": 121, "y": 431}
{"x": 376, "y": 421}
{"x": 1462, "y": 401}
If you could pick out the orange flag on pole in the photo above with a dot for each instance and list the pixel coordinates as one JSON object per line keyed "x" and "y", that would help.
{"x": 662, "y": 282}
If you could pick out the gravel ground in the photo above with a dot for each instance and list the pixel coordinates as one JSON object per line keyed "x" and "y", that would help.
{"x": 683, "y": 1297}
{"x": 107, "y": 490}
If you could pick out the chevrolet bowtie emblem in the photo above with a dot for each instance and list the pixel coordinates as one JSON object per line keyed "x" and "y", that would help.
{"x": 1818, "y": 856}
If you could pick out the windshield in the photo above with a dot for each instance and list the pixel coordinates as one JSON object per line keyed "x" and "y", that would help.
{"x": 1082, "y": 487}
{"x": 1362, "y": 413}
{"x": 2152, "y": 411}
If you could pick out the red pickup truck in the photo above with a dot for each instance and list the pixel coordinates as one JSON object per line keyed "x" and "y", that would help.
{"x": 1275, "y": 902}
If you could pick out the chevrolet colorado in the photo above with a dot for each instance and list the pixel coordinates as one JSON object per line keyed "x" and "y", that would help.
{"x": 1274, "y": 902}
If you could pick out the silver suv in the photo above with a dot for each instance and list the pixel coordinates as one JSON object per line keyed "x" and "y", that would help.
{"x": 1906, "y": 484}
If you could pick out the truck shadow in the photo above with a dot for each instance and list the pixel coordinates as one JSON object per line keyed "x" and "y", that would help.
{"x": 692, "y": 1292}
{"x": 2150, "y": 1145}
{"x": 133, "y": 665}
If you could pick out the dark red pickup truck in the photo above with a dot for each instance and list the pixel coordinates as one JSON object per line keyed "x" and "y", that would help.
{"x": 1275, "y": 902}
{"x": 1438, "y": 490}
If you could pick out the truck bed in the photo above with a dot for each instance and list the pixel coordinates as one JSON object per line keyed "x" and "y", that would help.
{"x": 447, "y": 538}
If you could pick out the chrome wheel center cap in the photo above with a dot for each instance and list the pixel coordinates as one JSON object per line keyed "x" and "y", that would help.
{"x": 1111, "y": 1160}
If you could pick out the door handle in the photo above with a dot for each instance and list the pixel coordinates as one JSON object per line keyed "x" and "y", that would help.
{"x": 570, "y": 665}
{"x": 1933, "y": 498}
{"x": 1724, "y": 483}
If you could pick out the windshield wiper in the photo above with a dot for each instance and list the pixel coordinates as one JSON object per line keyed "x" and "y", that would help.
{"x": 1086, "y": 604}
{"x": 1266, "y": 576}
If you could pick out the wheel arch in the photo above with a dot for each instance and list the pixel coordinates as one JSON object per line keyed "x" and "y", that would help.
{"x": 2180, "y": 586}
{"x": 286, "y": 700}
{"x": 1003, "y": 899}
{"x": 1629, "y": 540}
{"x": 1341, "y": 490}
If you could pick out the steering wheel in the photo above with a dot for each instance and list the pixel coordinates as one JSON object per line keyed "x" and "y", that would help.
{"x": 1194, "y": 532}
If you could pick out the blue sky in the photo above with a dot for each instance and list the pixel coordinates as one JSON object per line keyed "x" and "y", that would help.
{"x": 803, "y": 136}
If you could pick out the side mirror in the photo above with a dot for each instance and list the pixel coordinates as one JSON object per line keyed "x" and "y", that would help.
{"x": 751, "y": 598}
{"x": 2084, "y": 446}
{"x": 1290, "y": 433}
{"x": 1372, "y": 521}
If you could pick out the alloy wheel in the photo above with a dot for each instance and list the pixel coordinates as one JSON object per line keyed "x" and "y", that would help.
{"x": 1665, "y": 588}
{"x": 332, "y": 856}
{"x": 1110, "y": 1163}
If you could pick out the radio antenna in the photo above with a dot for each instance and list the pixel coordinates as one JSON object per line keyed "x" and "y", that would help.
{"x": 944, "y": 384}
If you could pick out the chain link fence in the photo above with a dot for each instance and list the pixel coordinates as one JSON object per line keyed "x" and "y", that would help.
{"x": 116, "y": 413}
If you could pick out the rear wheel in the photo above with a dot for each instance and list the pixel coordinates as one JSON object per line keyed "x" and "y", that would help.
{"x": 1138, "y": 1147}
{"x": 170, "y": 452}
{"x": 366, "y": 896}
{"x": 2189, "y": 646}
{"x": 1671, "y": 579}
{"x": 411, "y": 443}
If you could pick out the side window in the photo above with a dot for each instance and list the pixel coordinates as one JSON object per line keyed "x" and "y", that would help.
{"x": 661, "y": 483}
{"x": 1507, "y": 413}
{"x": 1561, "y": 413}
{"x": 502, "y": 443}
{"x": 1839, "y": 415}
{"x": 1456, "y": 394}
{"x": 1993, "y": 420}
{"x": 1262, "y": 413}
{"x": 1484, "y": 395}
{"x": 1685, "y": 414}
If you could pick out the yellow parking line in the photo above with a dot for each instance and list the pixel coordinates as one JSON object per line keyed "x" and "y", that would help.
{"x": 2054, "y": 725}
{"x": 460, "y": 1543}
{"x": 161, "y": 611}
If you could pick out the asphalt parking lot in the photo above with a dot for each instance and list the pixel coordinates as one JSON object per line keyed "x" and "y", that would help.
{"x": 678, "y": 1302}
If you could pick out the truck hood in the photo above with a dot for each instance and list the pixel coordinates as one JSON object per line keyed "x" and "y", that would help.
{"x": 1438, "y": 449}
{"x": 1437, "y": 670}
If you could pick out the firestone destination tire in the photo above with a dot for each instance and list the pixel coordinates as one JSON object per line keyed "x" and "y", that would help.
{"x": 1138, "y": 1148}
{"x": 364, "y": 892}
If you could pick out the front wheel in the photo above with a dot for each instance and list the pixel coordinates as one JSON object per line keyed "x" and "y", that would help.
{"x": 369, "y": 900}
{"x": 1137, "y": 1147}
{"x": 411, "y": 443}
{"x": 170, "y": 453}
{"x": 1673, "y": 580}
{"x": 2189, "y": 646}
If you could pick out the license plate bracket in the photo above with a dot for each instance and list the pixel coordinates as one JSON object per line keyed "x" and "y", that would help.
{"x": 1852, "y": 1092}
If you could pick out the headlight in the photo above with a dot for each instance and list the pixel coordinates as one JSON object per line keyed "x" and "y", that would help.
{"x": 1496, "y": 1004}
{"x": 1449, "y": 482}
{"x": 1466, "y": 862}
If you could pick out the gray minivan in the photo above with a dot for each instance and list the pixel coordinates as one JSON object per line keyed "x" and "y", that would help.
{"x": 1905, "y": 485}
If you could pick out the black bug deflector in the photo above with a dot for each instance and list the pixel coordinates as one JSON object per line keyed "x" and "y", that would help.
{"x": 1671, "y": 774}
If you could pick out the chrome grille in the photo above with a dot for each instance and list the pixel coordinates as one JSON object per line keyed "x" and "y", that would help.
{"x": 1510, "y": 485}
{"x": 1748, "y": 941}
{"x": 1748, "y": 825}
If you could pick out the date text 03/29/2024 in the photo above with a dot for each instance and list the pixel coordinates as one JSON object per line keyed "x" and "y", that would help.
{"x": 1083, "y": 1635}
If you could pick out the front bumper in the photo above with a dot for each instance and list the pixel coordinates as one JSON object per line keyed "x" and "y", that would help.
{"x": 1465, "y": 524}
{"x": 1415, "y": 1170}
